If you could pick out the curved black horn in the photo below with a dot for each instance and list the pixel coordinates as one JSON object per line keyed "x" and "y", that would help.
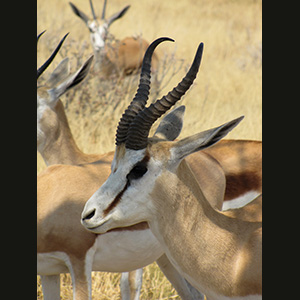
{"x": 92, "y": 9}
{"x": 50, "y": 59}
{"x": 140, "y": 99}
{"x": 139, "y": 128}
{"x": 38, "y": 37}
{"x": 103, "y": 10}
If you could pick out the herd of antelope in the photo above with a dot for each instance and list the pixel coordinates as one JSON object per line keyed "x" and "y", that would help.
{"x": 193, "y": 205}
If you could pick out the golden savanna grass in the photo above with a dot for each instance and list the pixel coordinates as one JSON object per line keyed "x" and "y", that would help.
{"x": 229, "y": 83}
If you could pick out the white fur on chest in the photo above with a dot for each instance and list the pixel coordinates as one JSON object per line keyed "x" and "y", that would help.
{"x": 125, "y": 251}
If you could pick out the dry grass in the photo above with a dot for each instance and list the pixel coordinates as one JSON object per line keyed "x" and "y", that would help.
{"x": 228, "y": 84}
{"x": 105, "y": 286}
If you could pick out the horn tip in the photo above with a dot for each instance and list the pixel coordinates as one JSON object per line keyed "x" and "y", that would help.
{"x": 66, "y": 35}
{"x": 200, "y": 48}
{"x": 166, "y": 39}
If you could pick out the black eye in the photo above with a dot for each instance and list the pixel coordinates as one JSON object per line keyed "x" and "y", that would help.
{"x": 137, "y": 171}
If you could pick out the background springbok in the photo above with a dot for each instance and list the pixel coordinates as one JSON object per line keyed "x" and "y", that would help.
{"x": 60, "y": 251}
{"x": 151, "y": 182}
{"x": 55, "y": 141}
{"x": 121, "y": 57}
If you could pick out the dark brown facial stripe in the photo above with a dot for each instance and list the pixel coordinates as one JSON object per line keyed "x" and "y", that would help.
{"x": 116, "y": 200}
{"x": 119, "y": 196}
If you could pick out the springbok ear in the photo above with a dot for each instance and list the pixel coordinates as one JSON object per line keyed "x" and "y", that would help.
{"x": 72, "y": 81}
{"x": 79, "y": 13}
{"x": 202, "y": 140}
{"x": 60, "y": 73}
{"x": 171, "y": 125}
{"x": 117, "y": 15}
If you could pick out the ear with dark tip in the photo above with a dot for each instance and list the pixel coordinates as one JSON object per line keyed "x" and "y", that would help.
{"x": 117, "y": 15}
{"x": 79, "y": 13}
{"x": 60, "y": 73}
{"x": 171, "y": 125}
{"x": 72, "y": 81}
{"x": 202, "y": 140}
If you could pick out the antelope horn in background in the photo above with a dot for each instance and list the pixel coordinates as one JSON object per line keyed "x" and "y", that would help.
{"x": 103, "y": 10}
{"x": 140, "y": 99}
{"x": 50, "y": 59}
{"x": 137, "y": 137}
{"x": 93, "y": 12}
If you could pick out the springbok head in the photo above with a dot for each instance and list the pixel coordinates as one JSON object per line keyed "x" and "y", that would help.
{"x": 126, "y": 197}
{"x": 98, "y": 27}
{"x": 48, "y": 94}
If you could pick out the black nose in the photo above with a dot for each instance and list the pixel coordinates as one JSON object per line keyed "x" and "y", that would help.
{"x": 89, "y": 216}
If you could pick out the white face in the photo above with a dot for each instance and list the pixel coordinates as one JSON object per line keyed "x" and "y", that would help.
{"x": 124, "y": 199}
{"x": 98, "y": 34}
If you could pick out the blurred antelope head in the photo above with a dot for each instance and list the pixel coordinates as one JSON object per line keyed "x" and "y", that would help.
{"x": 98, "y": 27}
{"x": 52, "y": 123}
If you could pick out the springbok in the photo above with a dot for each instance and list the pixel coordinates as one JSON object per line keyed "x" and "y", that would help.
{"x": 52, "y": 189}
{"x": 151, "y": 182}
{"x": 122, "y": 57}
{"x": 64, "y": 245}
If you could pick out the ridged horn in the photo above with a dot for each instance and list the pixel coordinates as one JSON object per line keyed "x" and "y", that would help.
{"x": 139, "y": 128}
{"x": 140, "y": 99}
{"x": 41, "y": 69}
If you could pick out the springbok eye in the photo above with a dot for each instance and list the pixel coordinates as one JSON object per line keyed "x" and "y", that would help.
{"x": 137, "y": 171}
